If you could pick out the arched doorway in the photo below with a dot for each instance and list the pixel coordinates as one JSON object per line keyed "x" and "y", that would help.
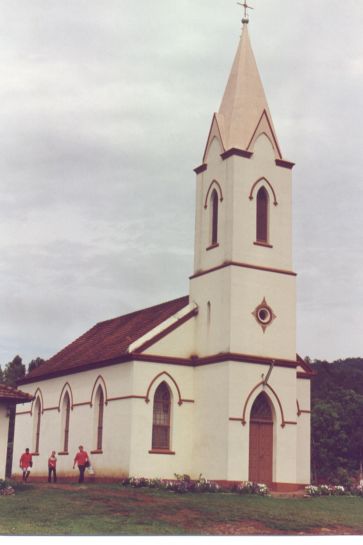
{"x": 261, "y": 441}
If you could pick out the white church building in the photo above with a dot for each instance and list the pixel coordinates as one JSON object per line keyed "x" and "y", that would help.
{"x": 208, "y": 383}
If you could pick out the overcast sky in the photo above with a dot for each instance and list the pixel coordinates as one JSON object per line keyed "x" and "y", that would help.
{"x": 105, "y": 108}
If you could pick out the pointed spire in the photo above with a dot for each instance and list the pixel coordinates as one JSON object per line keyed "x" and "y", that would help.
{"x": 244, "y": 113}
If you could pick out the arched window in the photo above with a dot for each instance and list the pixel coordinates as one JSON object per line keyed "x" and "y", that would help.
{"x": 214, "y": 217}
{"x": 261, "y": 409}
{"x": 66, "y": 413}
{"x": 99, "y": 406}
{"x": 161, "y": 418}
{"x": 262, "y": 203}
{"x": 36, "y": 427}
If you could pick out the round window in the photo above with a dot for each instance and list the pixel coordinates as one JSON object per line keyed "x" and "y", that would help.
{"x": 264, "y": 315}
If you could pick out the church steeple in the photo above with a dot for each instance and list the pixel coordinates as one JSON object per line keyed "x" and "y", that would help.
{"x": 243, "y": 282}
{"x": 244, "y": 113}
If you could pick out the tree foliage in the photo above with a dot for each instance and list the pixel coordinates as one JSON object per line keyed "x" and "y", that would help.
{"x": 35, "y": 363}
{"x": 337, "y": 425}
{"x": 14, "y": 370}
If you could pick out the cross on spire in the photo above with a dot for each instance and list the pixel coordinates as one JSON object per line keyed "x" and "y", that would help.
{"x": 246, "y": 7}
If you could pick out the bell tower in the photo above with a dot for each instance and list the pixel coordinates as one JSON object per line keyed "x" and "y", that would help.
{"x": 243, "y": 282}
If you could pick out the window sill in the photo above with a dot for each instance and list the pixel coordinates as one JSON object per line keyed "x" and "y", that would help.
{"x": 63, "y": 453}
{"x": 212, "y": 246}
{"x": 264, "y": 244}
{"x": 97, "y": 451}
{"x": 161, "y": 451}
{"x": 34, "y": 453}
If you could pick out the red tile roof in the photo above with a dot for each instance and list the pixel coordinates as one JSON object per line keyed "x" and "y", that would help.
{"x": 106, "y": 342}
{"x": 7, "y": 393}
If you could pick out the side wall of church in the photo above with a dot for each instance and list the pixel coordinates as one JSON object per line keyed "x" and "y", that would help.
{"x": 114, "y": 460}
{"x": 4, "y": 428}
{"x": 144, "y": 461}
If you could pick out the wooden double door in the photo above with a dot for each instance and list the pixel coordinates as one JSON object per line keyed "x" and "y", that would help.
{"x": 261, "y": 441}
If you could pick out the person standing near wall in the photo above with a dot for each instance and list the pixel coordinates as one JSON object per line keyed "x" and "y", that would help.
{"x": 26, "y": 463}
{"x": 82, "y": 460}
{"x": 52, "y": 467}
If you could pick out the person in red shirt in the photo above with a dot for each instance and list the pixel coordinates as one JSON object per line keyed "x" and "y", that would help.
{"x": 52, "y": 465}
{"x": 26, "y": 462}
{"x": 82, "y": 460}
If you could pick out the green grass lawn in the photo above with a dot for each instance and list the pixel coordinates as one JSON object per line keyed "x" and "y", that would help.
{"x": 100, "y": 509}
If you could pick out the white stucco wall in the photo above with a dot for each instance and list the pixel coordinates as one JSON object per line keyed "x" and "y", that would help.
{"x": 4, "y": 428}
{"x": 281, "y": 390}
{"x": 210, "y": 451}
{"x": 117, "y": 422}
{"x": 180, "y": 380}
{"x": 179, "y": 343}
{"x": 236, "y": 177}
{"x": 227, "y": 299}
{"x": 204, "y": 439}
{"x": 304, "y": 432}
{"x": 212, "y": 294}
{"x": 127, "y": 426}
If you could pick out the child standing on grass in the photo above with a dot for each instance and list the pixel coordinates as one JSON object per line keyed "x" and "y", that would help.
{"x": 52, "y": 467}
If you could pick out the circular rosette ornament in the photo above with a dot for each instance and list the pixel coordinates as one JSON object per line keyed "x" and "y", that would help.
{"x": 264, "y": 315}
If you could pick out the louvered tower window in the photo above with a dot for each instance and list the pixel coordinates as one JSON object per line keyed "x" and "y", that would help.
{"x": 262, "y": 216}
{"x": 214, "y": 218}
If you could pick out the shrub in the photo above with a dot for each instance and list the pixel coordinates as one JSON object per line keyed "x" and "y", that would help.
{"x": 202, "y": 485}
{"x": 183, "y": 484}
{"x": 6, "y": 489}
{"x": 326, "y": 490}
{"x": 312, "y": 490}
{"x": 358, "y": 490}
{"x": 136, "y": 482}
{"x": 249, "y": 487}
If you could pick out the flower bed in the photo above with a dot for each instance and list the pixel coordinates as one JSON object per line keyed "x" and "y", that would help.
{"x": 249, "y": 487}
{"x": 333, "y": 490}
{"x": 184, "y": 484}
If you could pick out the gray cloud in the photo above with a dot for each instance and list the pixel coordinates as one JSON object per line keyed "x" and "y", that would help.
{"x": 105, "y": 108}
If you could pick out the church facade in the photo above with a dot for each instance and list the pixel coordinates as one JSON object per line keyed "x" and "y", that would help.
{"x": 208, "y": 383}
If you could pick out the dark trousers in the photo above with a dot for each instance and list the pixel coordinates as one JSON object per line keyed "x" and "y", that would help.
{"x": 50, "y": 471}
{"x": 81, "y": 473}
